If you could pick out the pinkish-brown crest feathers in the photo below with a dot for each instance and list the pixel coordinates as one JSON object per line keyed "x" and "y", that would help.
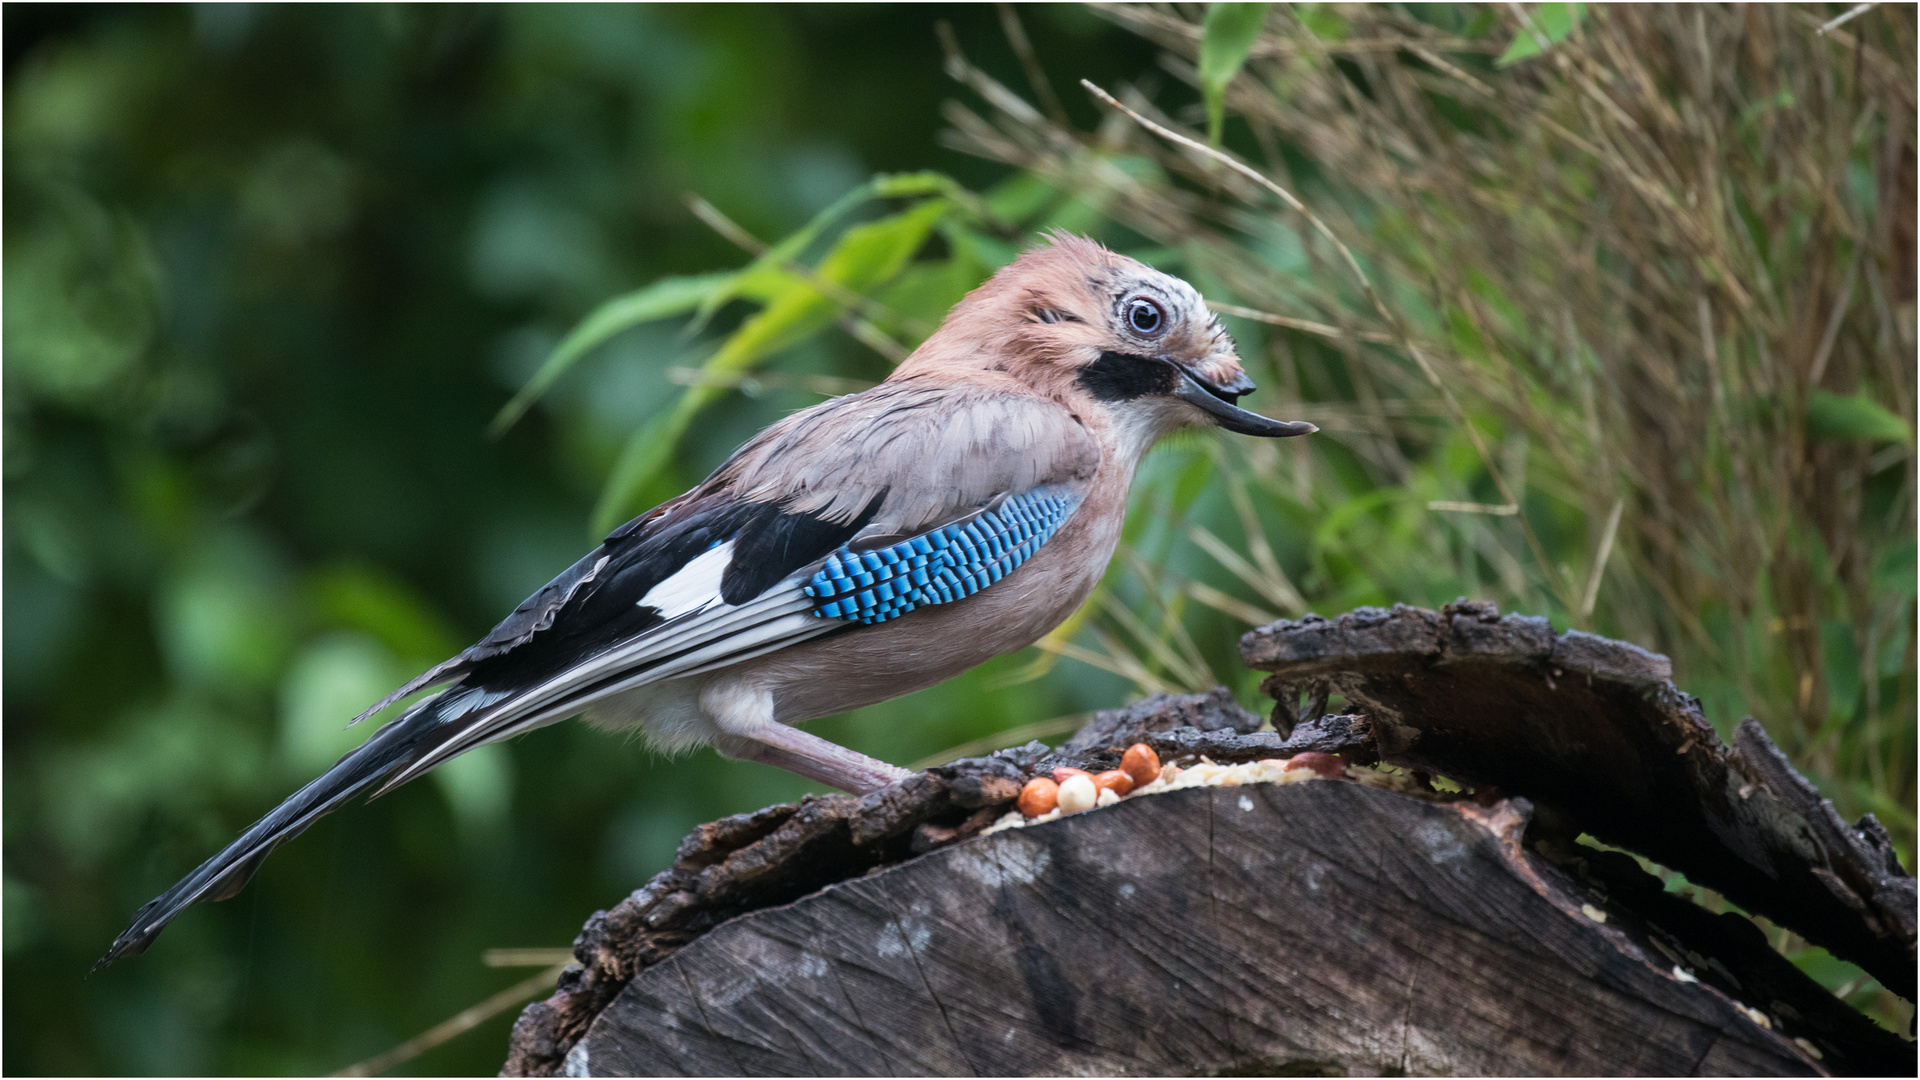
{"x": 1059, "y": 307}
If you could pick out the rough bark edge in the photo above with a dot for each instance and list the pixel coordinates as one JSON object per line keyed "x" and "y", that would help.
{"x": 723, "y": 1004}
{"x": 750, "y": 861}
{"x": 1594, "y": 732}
{"x": 774, "y": 856}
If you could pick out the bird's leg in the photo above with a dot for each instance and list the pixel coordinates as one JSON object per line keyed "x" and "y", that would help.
{"x": 789, "y": 748}
{"x": 744, "y": 715}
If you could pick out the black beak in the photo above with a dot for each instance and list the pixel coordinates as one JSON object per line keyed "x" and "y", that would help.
{"x": 1219, "y": 405}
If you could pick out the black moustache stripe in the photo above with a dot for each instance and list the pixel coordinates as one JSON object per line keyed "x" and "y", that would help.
{"x": 1118, "y": 376}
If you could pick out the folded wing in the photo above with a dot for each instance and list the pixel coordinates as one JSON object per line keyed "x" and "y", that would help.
{"x": 856, "y": 511}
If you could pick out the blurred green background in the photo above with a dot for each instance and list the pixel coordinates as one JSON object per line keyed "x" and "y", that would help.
{"x": 271, "y": 272}
{"x": 274, "y": 271}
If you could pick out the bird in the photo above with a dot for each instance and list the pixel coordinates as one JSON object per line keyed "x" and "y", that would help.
{"x": 867, "y": 547}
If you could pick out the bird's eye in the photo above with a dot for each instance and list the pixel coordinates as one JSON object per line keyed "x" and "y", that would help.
{"x": 1144, "y": 317}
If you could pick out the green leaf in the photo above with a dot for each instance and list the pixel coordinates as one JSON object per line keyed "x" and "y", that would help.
{"x": 1021, "y": 196}
{"x": 1226, "y": 38}
{"x": 882, "y": 186}
{"x": 1833, "y": 416}
{"x": 1555, "y": 21}
{"x": 1893, "y": 570}
{"x": 865, "y": 256}
{"x": 662, "y": 299}
{"x": 1323, "y": 22}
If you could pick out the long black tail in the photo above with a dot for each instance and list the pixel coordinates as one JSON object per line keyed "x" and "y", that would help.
{"x": 227, "y": 873}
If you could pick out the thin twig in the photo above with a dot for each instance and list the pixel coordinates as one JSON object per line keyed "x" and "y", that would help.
{"x": 1228, "y": 605}
{"x": 526, "y": 957}
{"x": 1013, "y": 736}
{"x": 459, "y": 1024}
{"x": 1305, "y": 326}
{"x": 1120, "y": 663}
{"x": 1379, "y": 306}
{"x": 1171, "y": 645}
{"x": 1832, "y": 333}
{"x": 1448, "y": 506}
{"x": 1853, "y": 13}
{"x": 1036, "y": 75}
{"x": 1280, "y": 592}
{"x": 962, "y": 71}
{"x": 1592, "y": 593}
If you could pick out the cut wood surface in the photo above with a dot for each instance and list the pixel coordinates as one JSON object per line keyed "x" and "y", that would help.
{"x": 1593, "y": 731}
{"x": 1370, "y": 924}
{"x": 1319, "y": 928}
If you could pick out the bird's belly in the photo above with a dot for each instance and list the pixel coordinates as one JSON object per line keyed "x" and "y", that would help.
{"x": 932, "y": 644}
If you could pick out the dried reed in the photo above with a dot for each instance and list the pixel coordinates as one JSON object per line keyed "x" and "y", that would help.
{"x": 1666, "y": 266}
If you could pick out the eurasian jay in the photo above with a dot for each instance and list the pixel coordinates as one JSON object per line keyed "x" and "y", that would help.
{"x": 870, "y": 546}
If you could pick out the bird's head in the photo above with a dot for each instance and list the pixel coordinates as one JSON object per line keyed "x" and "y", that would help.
{"x": 1105, "y": 334}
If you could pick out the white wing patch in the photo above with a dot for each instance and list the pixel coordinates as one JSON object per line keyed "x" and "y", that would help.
{"x": 693, "y": 586}
{"x": 700, "y": 635}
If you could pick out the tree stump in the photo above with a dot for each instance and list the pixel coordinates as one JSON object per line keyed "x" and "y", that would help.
{"x": 1370, "y": 924}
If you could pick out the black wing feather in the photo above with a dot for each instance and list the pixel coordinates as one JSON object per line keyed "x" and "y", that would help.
{"x": 602, "y": 608}
{"x": 588, "y": 608}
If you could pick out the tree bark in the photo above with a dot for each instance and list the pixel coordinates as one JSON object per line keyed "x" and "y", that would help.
{"x": 1364, "y": 925}
{"x": 1594, "y": 733}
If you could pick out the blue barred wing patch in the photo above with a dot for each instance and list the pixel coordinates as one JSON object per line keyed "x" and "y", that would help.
{"x": 937, "y": 567}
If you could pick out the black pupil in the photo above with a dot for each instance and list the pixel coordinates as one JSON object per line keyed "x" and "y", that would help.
{"x": 1144, "y": 317}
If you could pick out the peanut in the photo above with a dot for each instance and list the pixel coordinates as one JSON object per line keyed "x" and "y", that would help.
{"x": 1328, "y": 765}
{"x": 1040, "y": 796}
{"x": 1060, "y": 774}
{"x": 1115, "y": 781}
{"x": 1077, "y": 794}
{"x": 1140, "y": 764}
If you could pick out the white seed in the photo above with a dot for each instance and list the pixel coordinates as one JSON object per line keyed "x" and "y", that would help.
{"x": 1107, "y": 797}
{"x": 1077, "y": 794}
{"x": 1593, "y": 913}
{"x": 1203, "y": 773}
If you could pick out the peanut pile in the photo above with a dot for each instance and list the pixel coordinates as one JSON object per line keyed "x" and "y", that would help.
{"x": 1071, "y": 791}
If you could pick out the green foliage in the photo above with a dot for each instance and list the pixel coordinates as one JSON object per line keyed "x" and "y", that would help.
{"x": 661, "y": 300}
{"x": 272, "y": 272}
{"x": 866, "y": 256}
{"x": 1856, "y": 417}
{"x": 1637, "y": 362}
{"x": 275, "y": 272}
{"x": 1550, "y": 25}
{"x": 1226, "y": 37}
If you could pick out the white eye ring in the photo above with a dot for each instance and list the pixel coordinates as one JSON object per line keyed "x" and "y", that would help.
{"x": 1145, "y": 318}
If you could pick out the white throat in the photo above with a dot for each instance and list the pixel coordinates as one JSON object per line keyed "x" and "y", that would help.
{"x": 1141, "y": 423}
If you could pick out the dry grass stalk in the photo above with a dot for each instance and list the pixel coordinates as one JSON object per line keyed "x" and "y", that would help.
{"x": 1647, "y": 252}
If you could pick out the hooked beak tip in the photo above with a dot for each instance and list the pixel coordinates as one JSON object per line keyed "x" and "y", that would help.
{"x": 1232, "y": 417}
